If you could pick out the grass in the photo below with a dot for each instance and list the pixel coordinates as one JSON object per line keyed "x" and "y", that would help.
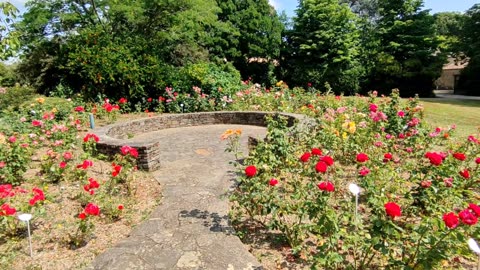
{"x": 444, "y": 112}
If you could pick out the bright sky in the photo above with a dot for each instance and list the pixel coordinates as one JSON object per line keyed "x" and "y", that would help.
{"x": 290, "y": 5}
{"x": 435, "y": 5}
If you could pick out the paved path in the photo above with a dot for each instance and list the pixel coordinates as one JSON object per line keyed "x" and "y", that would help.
{"x": 189, "y": 230}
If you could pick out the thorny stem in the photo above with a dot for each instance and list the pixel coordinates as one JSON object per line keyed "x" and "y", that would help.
{"x": 434, "y": 246}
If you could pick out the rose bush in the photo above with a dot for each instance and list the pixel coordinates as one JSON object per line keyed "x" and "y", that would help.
{"x": 419, "y": 187}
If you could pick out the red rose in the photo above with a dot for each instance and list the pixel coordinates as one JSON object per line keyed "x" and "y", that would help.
{"x": 465, "y": 173}
{"x": 477, "y": 160}
{"x": 85, "y": 164}
{"x": 305, "y": 157}
{"x": 120, "y": 207}
{"x": 82, "y": 216}
{"x": 273, "y": 182}
{"x": 387, "y": 157}
{"x": 467, "y": 217}
{"x": 475, "y": 208}
{"x": 435, "y": 158}
{"x": 149, "y": 99}
{"x": 316, "y": 152}
{"x": 122, "y": 100}
{"x": 79, "y": 109}
{"x": 362, "y": 157}
{"x": 7, "y": 210}
{"x": 92, "y": 209}
{"x": 459, "y": 156}
{"x": 326, "y": 186}
{"x": 364, "y": 171}
{"x": 373, "y": 107}
{"x": 67, "y": 155}
{"x": 392, "y": 209}
{"x": 451, "y": 220}
{"x": 426, "y": 184}
{"x": 36, "y": 123}
{"x": 327, "y": 159}
{"x": 250, "y": 171}
{"x": 321, "y": 167}
{"x": 62, "y": 165}
{"x": 93, "y": 183}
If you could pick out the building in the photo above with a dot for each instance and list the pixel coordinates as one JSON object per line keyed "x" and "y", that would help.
{"x": 450, "y": 74}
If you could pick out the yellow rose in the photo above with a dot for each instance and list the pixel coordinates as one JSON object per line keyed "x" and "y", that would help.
{"x": 40, "y": 100}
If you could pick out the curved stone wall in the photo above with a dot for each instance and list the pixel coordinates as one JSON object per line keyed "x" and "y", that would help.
{"x": 114, "y": 136}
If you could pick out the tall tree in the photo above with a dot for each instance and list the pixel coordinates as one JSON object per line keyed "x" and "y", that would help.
{"x": 470, "y": 45}
{"x": 407, "y": 57}
{"x": 448, "y": 28}
{"x": 255, "y": 44}
{"x": 323, "y": 47}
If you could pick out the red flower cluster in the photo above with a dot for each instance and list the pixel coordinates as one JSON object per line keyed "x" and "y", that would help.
{"x": 250, "y": 171}
{"x": 451, "y": 220}
{"x": 465, "y": 174}
{"x": 127, "y": 150}
{"x": 273, "y": 182}
{"x": 38, "y": 195}
{"x": 90, "y": 136}
{"x": 109, "y": 107}
{"x": 7, "y": 210}
{"x": 326, "y": 186}
{"x": 91, "y": 209}
{"x": 91, "y": 186}
{"x": 79, "y": 109}
{"x": 435, "y": 158}
{"x": 468, "y": 216}
{"x": 364, "y": 171}
{"x": 37, "y": 123}
{"x": 86, "y": 163}
{"x": 305, "y": 157}
{"x": 6, "y": 191}
{"x": 393, "y": 210}
{"x": 316, "y": 152}
{"x": 122, "y": 100}
{"x": 459, "y": 156}
{"x": 362, "y": 157}
{"x": 116, "y": 169}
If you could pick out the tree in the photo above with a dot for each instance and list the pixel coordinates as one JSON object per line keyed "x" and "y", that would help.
{"x": 117, "y": 48}
{"x": 254, "y": 44}
{"x": 9, "y": 41}
{"x": 323, "y": 47}
{"x": 448, "y": 27}
{"x": 470, "y": 45}
{"x": 407, "y": 57}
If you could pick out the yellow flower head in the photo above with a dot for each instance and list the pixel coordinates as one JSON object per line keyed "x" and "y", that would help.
{"x": 350, "y": 126}
{"x": 40, "y": 100}
{"x": 279, "y": 83}
{"x": 54, "y": 110}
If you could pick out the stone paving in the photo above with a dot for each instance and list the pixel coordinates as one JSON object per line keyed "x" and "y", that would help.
{"x": 190, "y": 229}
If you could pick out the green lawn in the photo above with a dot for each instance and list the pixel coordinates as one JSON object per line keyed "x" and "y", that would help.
{"x": 444, "y": 112}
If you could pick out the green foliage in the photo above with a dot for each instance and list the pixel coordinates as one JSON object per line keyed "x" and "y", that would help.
{"x": 14, "y": 97}
{"x": 323, "y": 46}
{"x": 470, "y": 40}
{"x": 406, "y": 57}
{"x": 9, "y": 38}
{"x": 290, "y": 192}
{"x": 254, "y": 39}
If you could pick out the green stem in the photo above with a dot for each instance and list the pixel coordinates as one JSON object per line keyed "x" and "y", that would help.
{"x": 434, "y": 246}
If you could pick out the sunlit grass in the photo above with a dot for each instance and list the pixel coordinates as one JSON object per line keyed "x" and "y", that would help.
{"x": 444, "y": 112}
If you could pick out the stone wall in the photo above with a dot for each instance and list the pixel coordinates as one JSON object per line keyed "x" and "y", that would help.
{"x": 113, "y": 137}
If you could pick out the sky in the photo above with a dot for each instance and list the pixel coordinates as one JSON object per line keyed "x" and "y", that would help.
{"x": 435, "y": 5}
{"x": 290, "y": 5}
